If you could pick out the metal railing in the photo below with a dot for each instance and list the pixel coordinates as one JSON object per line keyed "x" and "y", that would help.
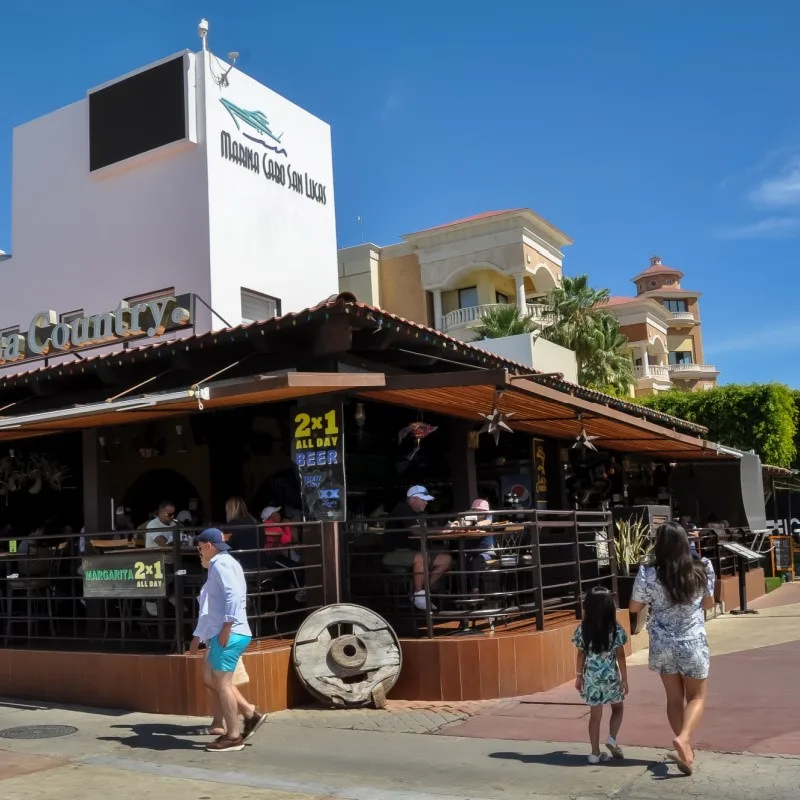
{"x": 540, "y": 563}
{"x": 107, "y": 592}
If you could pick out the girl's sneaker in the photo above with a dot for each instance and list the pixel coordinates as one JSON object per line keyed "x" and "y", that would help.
{"x": 597, "y": 759}
{"x": 614, "y": 749}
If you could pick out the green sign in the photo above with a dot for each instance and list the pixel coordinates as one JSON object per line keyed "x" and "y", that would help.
{"x": 124, "y": 574}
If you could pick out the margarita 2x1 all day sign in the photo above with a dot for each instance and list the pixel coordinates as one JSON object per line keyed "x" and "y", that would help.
{"x": 46, "y": 336}
{"x": 124, "y": 575}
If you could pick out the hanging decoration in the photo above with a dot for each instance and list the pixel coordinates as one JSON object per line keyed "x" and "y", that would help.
{"x": 419, "y": 430}
{"x": 30, "y": 473}
{"x": 583, "y": 440}
{"x": 496, "y": 421}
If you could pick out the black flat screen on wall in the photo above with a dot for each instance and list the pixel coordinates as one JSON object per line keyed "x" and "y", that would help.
{"x": 137, "y": 114}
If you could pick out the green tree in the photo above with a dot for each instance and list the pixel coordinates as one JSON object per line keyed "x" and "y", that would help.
{"x": 759, "y": 417}
{"x": 503, "y": 320}
{"x": 607, "y": 365}
{"x": 578, "y": 320}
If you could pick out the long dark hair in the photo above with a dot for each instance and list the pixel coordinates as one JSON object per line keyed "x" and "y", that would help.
{"x": 599, "y": 626}
{"x": 681, "y": 576}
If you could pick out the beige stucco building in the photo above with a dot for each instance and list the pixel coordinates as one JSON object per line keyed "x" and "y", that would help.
{"x": 448, "y": 276}
{"x": 445, "y": 277}
{"x": 662, "y": 324}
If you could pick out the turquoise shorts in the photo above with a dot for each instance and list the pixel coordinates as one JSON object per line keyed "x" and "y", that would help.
{"x": 223, "y": 659}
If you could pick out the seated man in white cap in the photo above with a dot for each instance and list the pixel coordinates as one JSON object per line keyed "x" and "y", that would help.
{"x": 405, "y": 516}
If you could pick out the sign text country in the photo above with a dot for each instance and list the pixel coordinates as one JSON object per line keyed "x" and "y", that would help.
{"x": 47, "y": 336}
{"x": 272, "y": 170}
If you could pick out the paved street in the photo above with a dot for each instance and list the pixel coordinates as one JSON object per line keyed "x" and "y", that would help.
{"x": 525, "y": 748}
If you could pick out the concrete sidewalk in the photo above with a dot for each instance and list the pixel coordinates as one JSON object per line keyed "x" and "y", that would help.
{"x": 309, "y": 755}
{"x": 752, "y": 707}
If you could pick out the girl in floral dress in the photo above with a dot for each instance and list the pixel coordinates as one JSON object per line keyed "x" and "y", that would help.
{"x": 601, "y": 673}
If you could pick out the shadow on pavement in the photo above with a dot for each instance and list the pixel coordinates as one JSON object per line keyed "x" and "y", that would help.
{"x": 560, "y": 758}
{"x": 155, "y": 736}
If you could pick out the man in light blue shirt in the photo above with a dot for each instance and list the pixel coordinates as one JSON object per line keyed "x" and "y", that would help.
{"x": 223, "y": 624}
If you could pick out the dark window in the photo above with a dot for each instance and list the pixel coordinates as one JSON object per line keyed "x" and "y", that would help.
{"x": 676, "y": 305}
{"x": 502, "y": 299}
{"x": 259, "y": 307}
{"x": 680, "y": 357}
{"x": 137, "y": 114}
{"x": 71, "y": 316}
{"x": 468, "y": 298}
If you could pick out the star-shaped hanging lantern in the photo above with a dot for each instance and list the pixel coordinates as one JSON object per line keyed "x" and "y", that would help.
{"x": 584, "y": 440}
{"x": 495, "y": 423}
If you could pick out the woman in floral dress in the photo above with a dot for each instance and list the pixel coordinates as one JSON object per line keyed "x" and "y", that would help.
{"x": 602, "y": 676}
{"x": 674, "y": 588}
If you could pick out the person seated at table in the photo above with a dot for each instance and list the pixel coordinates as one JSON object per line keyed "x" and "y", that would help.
{"x": 245, "y": 535}
{"x": 406, "y": 516}
{"x": 160, "y": 529}
{"x": 278, "y": 538}
{"x": 484, "y": 552}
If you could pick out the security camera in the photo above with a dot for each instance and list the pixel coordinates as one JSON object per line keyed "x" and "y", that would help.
{"x": 202, "y": 28}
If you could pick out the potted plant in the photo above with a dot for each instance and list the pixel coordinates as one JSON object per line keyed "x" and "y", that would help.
{"x": 631, "y": 545}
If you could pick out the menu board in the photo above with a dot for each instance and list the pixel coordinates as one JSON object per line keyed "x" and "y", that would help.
{"x": 127, "y": 575}
{"x": 318, "y": 457}
{"x": 782, "y": 553}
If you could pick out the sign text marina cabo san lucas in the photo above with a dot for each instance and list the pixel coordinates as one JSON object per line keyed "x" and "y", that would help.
{"x": 271, "y": 169}
{"x": 46, "y": 336}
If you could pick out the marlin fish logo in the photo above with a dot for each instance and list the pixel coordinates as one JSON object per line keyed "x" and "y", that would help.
{"x": 256, "y": 120}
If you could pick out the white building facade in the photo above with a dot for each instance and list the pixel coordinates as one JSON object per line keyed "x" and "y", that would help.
{"x": 186, "y": 179}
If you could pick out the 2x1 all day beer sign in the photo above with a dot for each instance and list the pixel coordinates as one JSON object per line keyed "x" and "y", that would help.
{"x": 127, "y": 575}
{"x": 318, "y": 456}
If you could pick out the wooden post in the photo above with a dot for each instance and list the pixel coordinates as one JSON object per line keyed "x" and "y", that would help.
{"x": 96, "y": 516}
{"x": 331, "y": 567}
{"x": 464, "y": 472}
{"x": 96, "y": 485}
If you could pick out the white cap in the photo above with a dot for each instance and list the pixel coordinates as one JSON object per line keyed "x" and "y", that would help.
{"x": 419, "y": 491}
{"x": 269, "y": 511}
{"x": 184, "y": 516}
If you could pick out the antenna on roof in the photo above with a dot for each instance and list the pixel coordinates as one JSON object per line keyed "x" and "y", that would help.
{"x": 360, "y": 221}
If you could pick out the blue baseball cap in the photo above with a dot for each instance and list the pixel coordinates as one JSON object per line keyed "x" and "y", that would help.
{"x": 213, "y": 536}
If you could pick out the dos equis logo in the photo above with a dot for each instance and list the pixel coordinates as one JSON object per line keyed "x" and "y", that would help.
{"x": 255, "y": 127}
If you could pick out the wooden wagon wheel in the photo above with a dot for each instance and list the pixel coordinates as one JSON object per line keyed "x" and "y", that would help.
{"x": 347, "y": 656}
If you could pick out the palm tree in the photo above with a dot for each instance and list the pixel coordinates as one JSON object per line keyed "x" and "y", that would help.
{"x": 579, "y": 322}
{"x": 608, "y": 366}
{"x": 503, "y": 320}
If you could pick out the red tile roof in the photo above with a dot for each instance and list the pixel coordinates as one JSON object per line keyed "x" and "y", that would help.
{"x": 658, "y": 269}
{"x": 348, "y": 303}
{"x": 618, "y": 301}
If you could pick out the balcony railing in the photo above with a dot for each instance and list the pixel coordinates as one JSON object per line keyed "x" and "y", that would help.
{"x": 464, "y": 317}
{"x": 683, "y": 316}
{"x": 692, "y": 369}
{"x": 651, "y": 371}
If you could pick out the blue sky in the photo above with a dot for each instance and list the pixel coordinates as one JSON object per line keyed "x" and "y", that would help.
{"x": 634, "y": 127}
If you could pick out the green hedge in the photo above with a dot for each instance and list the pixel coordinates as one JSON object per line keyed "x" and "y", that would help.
{"x": 760, "y": 417}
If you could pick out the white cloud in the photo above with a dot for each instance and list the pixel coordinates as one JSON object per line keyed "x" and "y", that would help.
{"x": 785, "y": 336}
{"x": 780, "y": 191}
{"x": 769, "y": 228}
